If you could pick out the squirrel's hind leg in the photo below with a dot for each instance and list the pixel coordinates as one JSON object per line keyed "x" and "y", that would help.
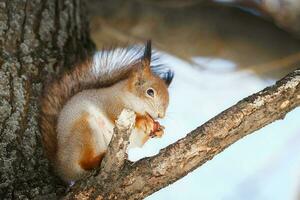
{"x": 89, "y": 156}
{"x": 80, "y": 150}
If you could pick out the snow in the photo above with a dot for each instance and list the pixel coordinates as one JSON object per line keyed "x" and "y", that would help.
{"x": 261, "y": 166}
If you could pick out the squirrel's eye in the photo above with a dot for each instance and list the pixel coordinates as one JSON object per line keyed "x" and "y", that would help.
{"x": 150, "y": 92}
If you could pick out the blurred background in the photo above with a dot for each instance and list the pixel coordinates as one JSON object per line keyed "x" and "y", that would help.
{"x": 221, "y": 51}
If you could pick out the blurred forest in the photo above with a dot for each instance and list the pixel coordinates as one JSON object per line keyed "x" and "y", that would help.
{"x": 236, "y": 30}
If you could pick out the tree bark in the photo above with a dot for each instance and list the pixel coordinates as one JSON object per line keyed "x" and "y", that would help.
{"x": 38, "y": 38}
{"x": 139, "y": 180}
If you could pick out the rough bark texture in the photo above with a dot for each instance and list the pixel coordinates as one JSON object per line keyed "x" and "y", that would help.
{"x": 116, "y": 154}
{"x": 37, "y": 39}
{"x": 148, "y": 175}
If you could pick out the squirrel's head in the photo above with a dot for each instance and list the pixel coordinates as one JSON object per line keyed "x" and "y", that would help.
{"x": 149, "y": 90}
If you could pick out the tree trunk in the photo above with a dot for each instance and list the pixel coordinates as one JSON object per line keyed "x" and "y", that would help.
{"x": 37, "y": 39}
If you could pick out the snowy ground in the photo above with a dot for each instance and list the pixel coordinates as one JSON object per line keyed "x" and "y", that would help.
{"x": 262, "y": 166}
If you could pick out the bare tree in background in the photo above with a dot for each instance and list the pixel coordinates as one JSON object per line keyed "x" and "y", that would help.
{"x": 38, "y": 39}
{"x": 284, "y": 13}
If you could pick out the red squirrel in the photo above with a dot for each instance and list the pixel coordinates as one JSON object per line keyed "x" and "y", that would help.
{"x": 78, "y": 110}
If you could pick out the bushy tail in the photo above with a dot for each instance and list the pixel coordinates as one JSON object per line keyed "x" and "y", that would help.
{"x": 55, "y": 96}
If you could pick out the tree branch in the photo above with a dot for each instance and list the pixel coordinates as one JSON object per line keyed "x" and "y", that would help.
{"x": 116, "y": 154}
{"x": 175, "y": 161}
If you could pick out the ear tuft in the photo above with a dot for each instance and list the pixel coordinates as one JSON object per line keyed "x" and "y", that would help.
{"x": 168, "y": 77}
{"x": 147, "y": 52}
{"x": 163, "y": 72}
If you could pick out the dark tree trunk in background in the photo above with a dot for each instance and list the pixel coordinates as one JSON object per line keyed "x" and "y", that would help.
{"x": 284, "y": 13}
{"x": 37, "y": 38}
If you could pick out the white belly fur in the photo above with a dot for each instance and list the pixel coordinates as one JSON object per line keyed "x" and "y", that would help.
{"x": 68, "y": 145}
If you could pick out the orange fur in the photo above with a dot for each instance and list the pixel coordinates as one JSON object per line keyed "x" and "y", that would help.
{"x": 91, "y": 162}
{"x": 88, "y": 159}
{"x": 144, "y": 122}
{"x": 144, "y": 125}
{"x": 145, "y": 139}
{"x": 147, "y": 125}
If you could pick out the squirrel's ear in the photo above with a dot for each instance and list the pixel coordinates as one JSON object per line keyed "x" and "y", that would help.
{"x": 147, "y": 53}
{"x": 141, "y": 72}
{"x": 136, "y": 78}
{"x": 168, "y": 77}
{"x": 146, "y": 59}
{"x": 142, "y": 69}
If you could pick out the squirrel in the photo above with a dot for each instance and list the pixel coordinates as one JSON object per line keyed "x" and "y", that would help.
{"x": 78, "y": 110}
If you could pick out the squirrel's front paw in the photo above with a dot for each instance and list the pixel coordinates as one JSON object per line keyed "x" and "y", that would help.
{"x": 157, "y": 131}
{"x": 145, "y": 124}
{"x": 148, "y": 126}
